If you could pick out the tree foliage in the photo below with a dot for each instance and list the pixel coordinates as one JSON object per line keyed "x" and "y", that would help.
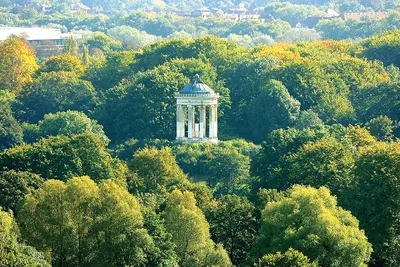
{"x": 20, "y": 63}
{"x": 83, "y": 224}
{"x": 12, "y": 251}
{"x": 291, "y": 258}
{"x": 233, "y": 224}
{"x": 156, "y": 169}
{"x": 56, "y": 91}
{"x": 14, "y": 185}
{"x": 62, "y": 157}
{"x": 373, "y": 198}
{"x": 70, "y": 123}
{"x": 309, "y": 220}
{"x": 190, "y": 232}
{"x": 272, "y": 109}
{"x": 67, "y": 63}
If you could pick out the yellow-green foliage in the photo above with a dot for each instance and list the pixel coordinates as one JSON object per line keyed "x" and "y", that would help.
{"x": 309, "y": 220}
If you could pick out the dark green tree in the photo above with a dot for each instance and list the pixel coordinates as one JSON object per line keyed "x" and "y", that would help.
{"x": 322, "y": 163}
{"x": 245, "y": 81}
{"x": 382, "y": 128}
{"x": 233, "y": 223}
{"x": 14, "y": 185}
{"x": 56, "y": 91}
{"x": 374, "y": 198}
{"x": 10, "y": 130}
{"x": 272, "y": 109}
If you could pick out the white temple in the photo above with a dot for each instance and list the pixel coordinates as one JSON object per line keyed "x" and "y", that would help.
{"x": 196, "y": 98}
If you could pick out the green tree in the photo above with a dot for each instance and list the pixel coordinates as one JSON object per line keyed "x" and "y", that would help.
{"x": 102, "y": 42}
{"x": 309, "y": 220}
{"x": 148, "y": 106}
{"x": 220, "y": 53}
{"x": 233, "y": 223}
{"x": 228, "y": 170}
{"x": 12, "y": 252}
{"x": 359, "y": 137}
{"x": 164, "y": 253}
{"x": 374, "y": 198}
{"x": 156, "y": 168}
{"x": 382, "y": 47}
{"x": 56, "y": 91}
{"x": 10, "y": 130}
{"x": 248, "y": 76}
{"x": 70, "y": 123}
{"x": 190, "y": 232}
{"x": 121, "y": 238}
{"x": 291, "y": 258}
{"x": 274, "y": 151}
{"x": 67, "y": 63}
{"x": 117, "y": 66}
{"x": 17, "y": 64}
{"x": 81, "y": 223}
{"x": 325, "y": 93}
{"x": 381, "y": 127}
{"x": 289, "y": 12}
{"x": 14, "y": 185}
{"x": 335, "y": 29}
{"x": 70, "y": 47}
{"x": 63, "y": 157}
{"x": 132, "y": 38}
{"x": 322, "y": 163}
{"x": 273, "y": 108}
{"x": 157, "y": 54}
{"x": 376, "y": 100}
{"x": 306, "y": 119}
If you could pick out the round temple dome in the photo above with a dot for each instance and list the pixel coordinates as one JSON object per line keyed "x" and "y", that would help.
{"x": 196, "y": 86}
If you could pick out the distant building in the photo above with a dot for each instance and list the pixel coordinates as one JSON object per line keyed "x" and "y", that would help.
{"x": 311, "y": 22}
{"x": 38, "y": 36}
{"x": 332, "y": 13}
{"x": 359, "y": 16}
{"x": 239, "y": 13}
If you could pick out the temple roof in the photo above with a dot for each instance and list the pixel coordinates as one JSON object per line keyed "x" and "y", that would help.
{"x": 196, "y": 86}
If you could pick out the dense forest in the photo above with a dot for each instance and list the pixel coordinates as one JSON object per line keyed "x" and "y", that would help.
{"x": 306, "y": 172}
{"x": 190, "y": 4}
{"x": 134, "y": 24}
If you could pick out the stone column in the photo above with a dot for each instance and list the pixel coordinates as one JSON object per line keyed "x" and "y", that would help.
{"x": 190, "y": 121}
{"x": 211, "y": 122}
{"x": 215, "y": 113}
{"x": 183, "y": 115}
{"x": 181, "y": 122}
{"x": 178, "y": 122}
{"x": 202, "y": 112}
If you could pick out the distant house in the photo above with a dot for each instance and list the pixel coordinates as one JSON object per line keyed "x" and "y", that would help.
{"x": 239, "y": 13}
{"x": 311, "y": 22}
{"x": 202, "y": 13}
{"x": 38, "y": 36}
{"x": 359, "y": 16}
{"x": 332, "y": 13}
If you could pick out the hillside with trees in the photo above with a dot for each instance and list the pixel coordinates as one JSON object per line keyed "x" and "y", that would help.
{"x": 306, "y": 172}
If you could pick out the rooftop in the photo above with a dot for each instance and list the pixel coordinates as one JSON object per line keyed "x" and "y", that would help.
{"x": 36, "y": 34}
{"x": 197, "y": 88}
